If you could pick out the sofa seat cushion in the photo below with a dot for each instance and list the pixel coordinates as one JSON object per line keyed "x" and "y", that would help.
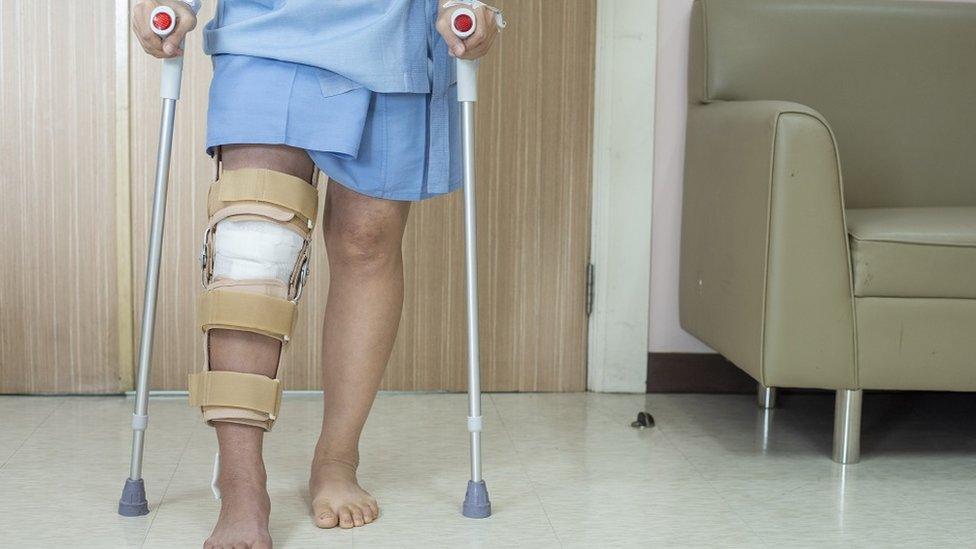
{"x": 913, "y": 252}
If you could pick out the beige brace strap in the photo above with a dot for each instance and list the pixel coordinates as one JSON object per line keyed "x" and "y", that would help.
{"x": 263, "y": 306}
{"x": 250, "y": 399}
{"x": 267, "y": 186}
{"x": 246, "y": 311}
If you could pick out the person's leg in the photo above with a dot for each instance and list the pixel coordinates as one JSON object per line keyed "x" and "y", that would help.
{"x": 245, "y": 505}
{"x": 363, "y": 237}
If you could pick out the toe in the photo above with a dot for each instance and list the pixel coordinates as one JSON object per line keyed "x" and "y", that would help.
{"x": 373, "y": 507}
{"x": 325, "y": 517}
{"x": 368, "y": 516}
{"x": 345, "y": 517}
{"x": 357, "y": 515}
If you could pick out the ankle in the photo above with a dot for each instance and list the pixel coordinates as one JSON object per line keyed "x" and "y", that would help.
{"x": 347, "y": 458}
{"x": 242, "y": 473}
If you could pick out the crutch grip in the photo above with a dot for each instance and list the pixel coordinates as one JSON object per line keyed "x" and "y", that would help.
{"x": 162, "y": 20}
{"x": 172, "y": 78}
{"x": 464, "y": 23}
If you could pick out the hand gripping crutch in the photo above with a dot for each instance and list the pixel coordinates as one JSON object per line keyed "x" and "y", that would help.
{"x": 476, "y": 502}
{"x": 133, "y": 501}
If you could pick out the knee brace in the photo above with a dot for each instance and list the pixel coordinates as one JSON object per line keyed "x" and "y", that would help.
{"x": 255, "y": 263}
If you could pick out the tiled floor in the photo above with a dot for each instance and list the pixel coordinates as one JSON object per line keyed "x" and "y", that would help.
{"x": 563, "y": 471}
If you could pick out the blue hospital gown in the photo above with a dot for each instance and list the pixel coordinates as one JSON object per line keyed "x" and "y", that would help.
{"x": 365, "y": 86}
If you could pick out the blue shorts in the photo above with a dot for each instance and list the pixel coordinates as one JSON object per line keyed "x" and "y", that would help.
{"x": 377, "y": 144}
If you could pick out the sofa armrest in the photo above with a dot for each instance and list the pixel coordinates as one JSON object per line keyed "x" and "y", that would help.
{"x": 765, "y": 264}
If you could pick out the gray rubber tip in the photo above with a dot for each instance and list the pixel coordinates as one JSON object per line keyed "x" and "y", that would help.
{"x": 133, "y": 501}
{"x": 476, "y": 502}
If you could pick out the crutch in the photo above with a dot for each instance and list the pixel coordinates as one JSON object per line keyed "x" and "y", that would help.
{"x": 133, "y": 501}
{"x": 476, "y": 502}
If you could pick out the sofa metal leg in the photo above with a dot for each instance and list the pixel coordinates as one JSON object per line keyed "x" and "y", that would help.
{"x": 847, "y": 426}
{"x": 766, "y": 396}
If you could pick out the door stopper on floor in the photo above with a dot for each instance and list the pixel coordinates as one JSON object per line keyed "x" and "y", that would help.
{"x": 644, "y": 420}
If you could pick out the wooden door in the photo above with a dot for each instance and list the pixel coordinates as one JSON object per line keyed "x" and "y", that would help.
{"x": 59, "y": 309}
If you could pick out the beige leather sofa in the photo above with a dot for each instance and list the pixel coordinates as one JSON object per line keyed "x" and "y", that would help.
{"x": 829, "y": 224}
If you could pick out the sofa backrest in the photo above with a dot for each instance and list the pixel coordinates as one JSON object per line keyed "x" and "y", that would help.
{"x": 896, "y": 80}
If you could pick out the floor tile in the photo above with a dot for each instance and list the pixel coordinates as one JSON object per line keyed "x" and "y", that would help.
{"x": 563, "y": 470}
{"x": 23, "y": 415}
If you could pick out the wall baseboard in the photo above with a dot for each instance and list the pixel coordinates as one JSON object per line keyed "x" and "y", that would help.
{"x": 695, "y": 373}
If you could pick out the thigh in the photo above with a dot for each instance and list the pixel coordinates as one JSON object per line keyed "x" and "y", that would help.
{"x": 280, "y": 158}
{"x": 351, "y": 215}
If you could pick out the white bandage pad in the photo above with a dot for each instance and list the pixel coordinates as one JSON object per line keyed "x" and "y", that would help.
{"x": 255, "y": 250}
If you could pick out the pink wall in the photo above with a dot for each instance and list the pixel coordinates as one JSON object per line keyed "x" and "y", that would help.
{"x": 672, "y": 66}
{"x": 672, "y": 106}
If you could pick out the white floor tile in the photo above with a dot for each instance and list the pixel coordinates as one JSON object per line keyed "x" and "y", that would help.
{"x": 23, "y": 415}
{"x": 564, "y": 470}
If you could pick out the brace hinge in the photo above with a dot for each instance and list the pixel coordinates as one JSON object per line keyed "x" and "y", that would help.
{"x": 590, "y": 277}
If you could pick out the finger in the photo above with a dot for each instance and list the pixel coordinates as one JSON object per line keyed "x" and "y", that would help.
{"x": 487, "y": 34}
{"x": 141, "y": 10}
{"x": 475, "y": 53}
{"x": 489, "y": 40}
{"x": 155, "y": 52}
{"x": 454, "y": 44}
{"x": 480, "y": 31}
{"x": 171, "y": 45}
{"x": 151, "y": 43}
{"x": 481, "y": 50}
{"x": 185, "y": 22}
{"x": 140, "y": 16}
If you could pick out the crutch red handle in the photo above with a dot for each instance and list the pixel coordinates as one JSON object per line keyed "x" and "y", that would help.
{"x": 133, "y": 502}
{"x": 476, "y": 501}
{"x": 463, "y": 21}
{"x": 162, "y": 20}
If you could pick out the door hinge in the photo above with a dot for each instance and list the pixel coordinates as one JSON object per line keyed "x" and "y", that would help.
{"x": 590, "y": 277}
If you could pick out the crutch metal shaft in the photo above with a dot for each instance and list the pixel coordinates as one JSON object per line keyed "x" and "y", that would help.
{"x": 152, "y": 281}
{"x": 471, "y": 271}
{"x": 133, "y": 501}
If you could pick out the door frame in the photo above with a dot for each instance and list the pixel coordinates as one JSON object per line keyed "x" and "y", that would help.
{"x": 623, "y": 168}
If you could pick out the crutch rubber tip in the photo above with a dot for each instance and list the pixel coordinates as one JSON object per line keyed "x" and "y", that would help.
{"x": 133, "y": 501}
{"x": 476, "y": 502}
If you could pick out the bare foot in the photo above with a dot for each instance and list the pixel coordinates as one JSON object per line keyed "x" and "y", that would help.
{"x": 337, "y": 498}
{"x": 244, "y": 511}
